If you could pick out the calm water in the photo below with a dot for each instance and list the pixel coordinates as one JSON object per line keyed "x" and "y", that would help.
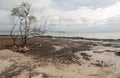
{"x": 101, "y": 35}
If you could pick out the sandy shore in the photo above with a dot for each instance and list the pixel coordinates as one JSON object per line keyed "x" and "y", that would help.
{"x": 92, "y": 59}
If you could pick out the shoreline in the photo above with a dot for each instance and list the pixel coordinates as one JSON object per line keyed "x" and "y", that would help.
{"x": 83, "y": 38}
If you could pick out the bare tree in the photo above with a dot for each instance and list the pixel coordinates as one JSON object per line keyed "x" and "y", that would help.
{"x": 25, "y": 20}
{"x": 27, "y": 23}
{"x": 13, "y": 24}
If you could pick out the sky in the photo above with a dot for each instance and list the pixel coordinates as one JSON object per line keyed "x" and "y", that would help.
{"x": 69, "y": 15}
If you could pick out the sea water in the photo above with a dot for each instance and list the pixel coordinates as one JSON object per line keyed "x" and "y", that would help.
{"x": 100, "y": 35}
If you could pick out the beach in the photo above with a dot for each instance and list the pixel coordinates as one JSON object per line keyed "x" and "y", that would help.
{"x": 61, "y": 57}
{"x": 60, "y": 39}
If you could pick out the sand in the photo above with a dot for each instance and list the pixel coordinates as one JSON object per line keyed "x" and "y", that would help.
{"x": 101, "y": 63}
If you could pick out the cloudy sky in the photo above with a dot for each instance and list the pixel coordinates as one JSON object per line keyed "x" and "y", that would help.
{"x": 69, "y": 15}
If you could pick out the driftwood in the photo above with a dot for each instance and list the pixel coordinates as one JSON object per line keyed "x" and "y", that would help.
{"x": 20, "y": 49}
{"x": 23, "y": 49}
{"x": 14, "y": 48}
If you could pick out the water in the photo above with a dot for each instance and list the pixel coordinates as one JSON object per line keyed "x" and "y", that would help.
{"x": 8, "y": 33}
{"x": 100, "y": 35}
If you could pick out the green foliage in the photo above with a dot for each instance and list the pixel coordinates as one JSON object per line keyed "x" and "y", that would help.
{"x": 15, "y": 12}
{"x": 24, "y": 4}
{"x": 21, "y": 11}
{"x": 32, "y": 18}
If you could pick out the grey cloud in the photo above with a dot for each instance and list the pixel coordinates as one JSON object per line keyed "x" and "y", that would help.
{"x": 62, "y": 23}
{"x": 74, "y": 4}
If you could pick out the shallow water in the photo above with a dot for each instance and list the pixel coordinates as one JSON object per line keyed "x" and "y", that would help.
{"x": 101, "y": 35}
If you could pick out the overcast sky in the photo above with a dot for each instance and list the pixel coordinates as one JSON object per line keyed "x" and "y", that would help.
{"x": 70, "y": 15}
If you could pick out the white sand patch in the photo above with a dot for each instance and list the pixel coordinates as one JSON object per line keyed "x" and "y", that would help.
{"x": 4, "y": 64}
{"x": 58, "y": 48}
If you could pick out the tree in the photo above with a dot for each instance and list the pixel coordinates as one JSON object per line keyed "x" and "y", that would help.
{"x": 13, "y": 24}
{"x": 26, "y": 23}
